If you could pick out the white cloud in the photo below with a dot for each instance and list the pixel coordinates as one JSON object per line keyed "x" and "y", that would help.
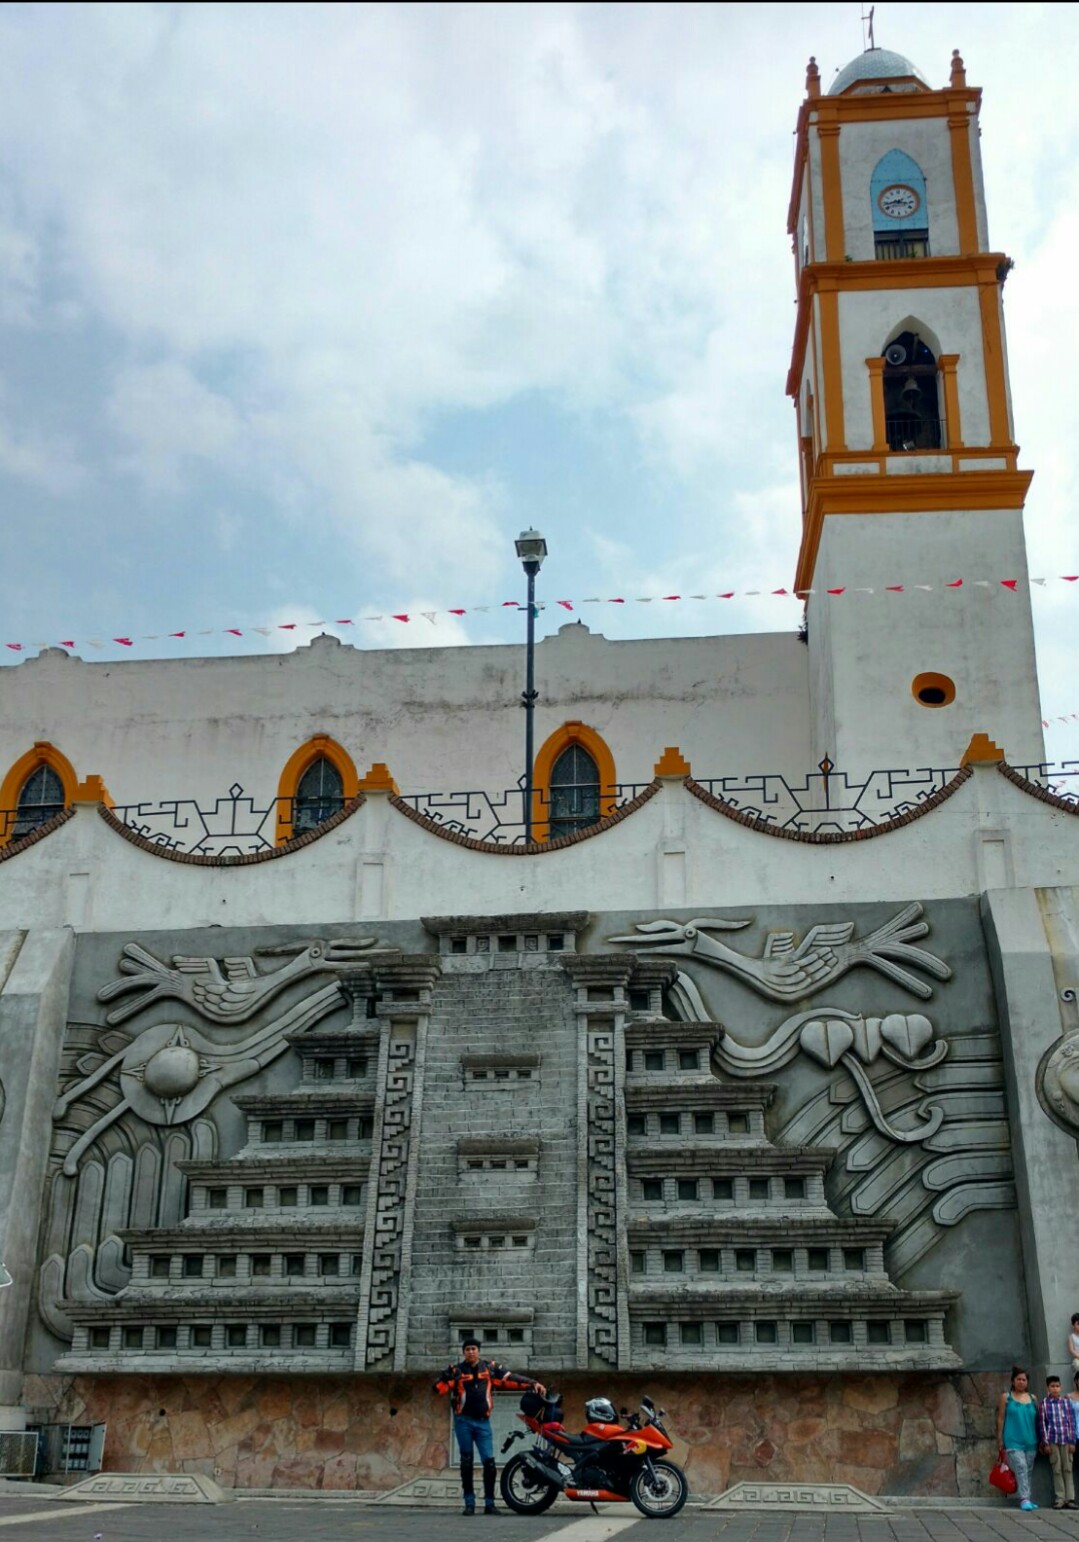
{"x": 165, "y": 417}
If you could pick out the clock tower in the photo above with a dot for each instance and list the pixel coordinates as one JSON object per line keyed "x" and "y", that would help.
{"x": 912, "y": 548}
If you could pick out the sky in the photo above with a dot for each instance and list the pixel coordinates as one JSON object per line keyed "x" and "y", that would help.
{"x": 306, "y": 311}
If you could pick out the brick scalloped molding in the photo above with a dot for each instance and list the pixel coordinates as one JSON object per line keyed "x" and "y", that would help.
{"x": 560, "y": 843}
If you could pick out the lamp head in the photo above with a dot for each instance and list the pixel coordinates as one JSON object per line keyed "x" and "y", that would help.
{"x": 531, "y": 549}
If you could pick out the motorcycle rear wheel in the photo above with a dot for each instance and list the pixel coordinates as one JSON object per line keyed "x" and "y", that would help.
{"x": 661, "y": 1493}
{"x": 523, "y": 1489}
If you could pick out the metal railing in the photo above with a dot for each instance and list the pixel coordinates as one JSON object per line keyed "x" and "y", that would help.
{"x": 913, "y": 433}
{"x": 827, "y": 800}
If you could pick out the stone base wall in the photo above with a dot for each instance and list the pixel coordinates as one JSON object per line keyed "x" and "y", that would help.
{"x": 888, "y": 1434}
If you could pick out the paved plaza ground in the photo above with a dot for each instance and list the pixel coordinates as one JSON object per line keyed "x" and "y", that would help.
{"x": 36, "y": 1519}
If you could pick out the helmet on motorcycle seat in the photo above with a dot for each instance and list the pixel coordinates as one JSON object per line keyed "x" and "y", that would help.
{"x": 532, "y": 1404}
{"x": 599, "y": 1410}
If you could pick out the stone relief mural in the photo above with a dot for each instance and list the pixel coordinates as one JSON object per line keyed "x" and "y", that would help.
{"x": 134, "y": 1100}
{"x": 923, "y": 1134}
{"x": 1058, "y": 1075}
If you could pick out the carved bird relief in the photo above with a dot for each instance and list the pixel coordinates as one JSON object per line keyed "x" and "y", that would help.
{"x": 229, "y": 990}
{"x": 789, "y": 970}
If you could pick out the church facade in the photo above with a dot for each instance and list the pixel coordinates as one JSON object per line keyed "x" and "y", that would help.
{"x": 755, "y": 1089}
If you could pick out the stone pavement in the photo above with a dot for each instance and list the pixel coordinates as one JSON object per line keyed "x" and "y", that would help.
{"x": 38, "y": 1519}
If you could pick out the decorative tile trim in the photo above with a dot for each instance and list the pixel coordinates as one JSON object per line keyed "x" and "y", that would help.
{"x": 841, "y": 837}
{"x": 537, "y": 848}
{"x": 1042, "y": 794}
{"x": 24, "y": 842}
{"x": 197, "y": 859}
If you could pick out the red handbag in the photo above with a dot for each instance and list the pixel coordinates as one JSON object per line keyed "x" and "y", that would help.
{"x": 1002, "y": 1477}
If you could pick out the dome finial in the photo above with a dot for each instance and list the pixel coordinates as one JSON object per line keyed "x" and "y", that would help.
{"x": 959, "y": 69}
{"x": 812, "y": 78}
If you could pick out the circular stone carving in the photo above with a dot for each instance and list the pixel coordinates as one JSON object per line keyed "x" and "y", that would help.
{"x": 173, "y": 1072}
{"x": 1058, "y": 1084}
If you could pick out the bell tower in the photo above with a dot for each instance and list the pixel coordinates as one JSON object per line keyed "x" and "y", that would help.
{"x": 912, "y": 498}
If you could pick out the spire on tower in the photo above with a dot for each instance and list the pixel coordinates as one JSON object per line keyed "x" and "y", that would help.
{"x": 812, "y": 78}
{"x": 959, "y": 69}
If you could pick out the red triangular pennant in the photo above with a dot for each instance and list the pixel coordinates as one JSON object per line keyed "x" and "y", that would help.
{"x": 401, "y": 618}
{"x": 15, "y": 647}
{"x": 894, "y": 588}
{"x": 956, "y": 583}
{"x": 838, "y": 591}
{"x": 125, "y": 640}
{"x": 1010, "y": 583}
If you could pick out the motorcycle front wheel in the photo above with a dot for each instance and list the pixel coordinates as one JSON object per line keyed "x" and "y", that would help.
{"x": 523, "y": 1489}
{"x": 661, "y": 1493}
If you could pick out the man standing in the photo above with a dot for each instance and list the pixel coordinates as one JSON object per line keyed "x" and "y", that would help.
{"x": 1056, "y": 1432}
{"x": 471, "y": 1382}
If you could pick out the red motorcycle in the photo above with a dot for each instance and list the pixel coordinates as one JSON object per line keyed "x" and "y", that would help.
{"x": 607, "y": 1461}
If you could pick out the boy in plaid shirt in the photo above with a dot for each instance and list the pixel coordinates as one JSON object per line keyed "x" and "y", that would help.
{"x": 1056, "y": 1434}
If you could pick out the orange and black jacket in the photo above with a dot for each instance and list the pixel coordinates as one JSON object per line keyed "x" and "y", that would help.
{"x": 472, "y": 1386}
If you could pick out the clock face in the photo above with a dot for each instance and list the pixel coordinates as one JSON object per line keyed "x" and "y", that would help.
{"x": 899, "y": 202}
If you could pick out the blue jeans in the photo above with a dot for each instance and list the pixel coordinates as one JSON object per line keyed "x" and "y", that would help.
{"x": 474, "y": 1432}
{"x": 1022, "y": 1464}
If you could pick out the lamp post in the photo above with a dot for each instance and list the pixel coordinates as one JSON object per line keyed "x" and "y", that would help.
{"x": 531, "y": 548}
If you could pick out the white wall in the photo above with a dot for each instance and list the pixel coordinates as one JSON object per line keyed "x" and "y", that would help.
{"x": 981, "y": 637}
{"x": 865, "y": 320}
{"x": 441, "y": 718}
{"x": 674, "y": 853}
{"x": 925, "y": 140}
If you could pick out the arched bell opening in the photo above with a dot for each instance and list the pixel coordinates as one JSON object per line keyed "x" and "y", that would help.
{"x": 912, "y": 418}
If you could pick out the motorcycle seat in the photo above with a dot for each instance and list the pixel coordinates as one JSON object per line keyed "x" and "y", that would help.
{"x": 580, "y": 1445}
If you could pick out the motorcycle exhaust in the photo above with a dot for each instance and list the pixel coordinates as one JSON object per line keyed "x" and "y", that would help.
{"x": 551, "y": 1471}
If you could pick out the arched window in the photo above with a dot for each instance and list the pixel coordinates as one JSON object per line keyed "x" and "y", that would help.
{"x": 41, "y": 797}
{"x": 319, "y": 794}
{"x": 911, "y": 394}
{"x": 900, "y": 211}
{"x": 317, "y": 781}
{"x": 574, "y": 782}
{"x": 574, "y": 792}
{"x": 38, "y": 786}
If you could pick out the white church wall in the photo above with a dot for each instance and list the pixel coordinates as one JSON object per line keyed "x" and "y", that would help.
{"x": 877, "y": 643}
{"x": 673, "y": 853}
{"x": 441, "y": 718}
{"x": 865, "y": 321}
{"x": 926, "y": 141}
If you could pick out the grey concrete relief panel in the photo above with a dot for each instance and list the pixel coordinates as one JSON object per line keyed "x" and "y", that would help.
{"x": 188, "y": 1109}
{"x": 1034, "y": 959}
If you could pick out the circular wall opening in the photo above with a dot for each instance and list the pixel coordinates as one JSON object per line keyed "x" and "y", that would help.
{"x": 933, "y": 690}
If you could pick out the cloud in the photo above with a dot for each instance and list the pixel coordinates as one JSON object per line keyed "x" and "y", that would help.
{"x": 165, "y": 417}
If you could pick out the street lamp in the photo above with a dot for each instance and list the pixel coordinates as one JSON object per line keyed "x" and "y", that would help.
{"x": 531, "y": 548}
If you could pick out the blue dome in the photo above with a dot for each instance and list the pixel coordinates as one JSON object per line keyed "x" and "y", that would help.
{"x": 875, "y": 64}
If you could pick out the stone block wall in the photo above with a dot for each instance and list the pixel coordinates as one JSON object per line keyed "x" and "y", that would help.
{"x": 887, "y": 1434}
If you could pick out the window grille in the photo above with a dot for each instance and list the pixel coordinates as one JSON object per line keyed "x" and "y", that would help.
{"x": 41, "y": 798}
{"x": 574, "y": 792}
{"x": 319, "y": 795}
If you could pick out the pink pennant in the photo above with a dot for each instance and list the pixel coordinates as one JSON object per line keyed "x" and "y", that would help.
{"x": 401, "y": 618}
{"x": 728, "y": 596}
{"x": 67, "y": 642}
{"x": 956, "y": 583}
{"x": 838, "y": 591}
{"x": 515, "y": 603}
{"x": 780, "y": 591}
{"x": 1069, "y": 578}
{"x": 234, "y": 631}
{"x": 1010, "y": 583}
{"x": 672, "y": 596}
{"x": 177, "y": 634}
{"x": 894, "y": 588}
{"x": 125, "y": 640}
{"x": 565, "y": 604}
{"x": 15, "y": 647}
{"x": 343, "y": 621}
{"x": 458, "y": 612}
{"x": 616, "y": 602}
{"x": 286, "y": 626}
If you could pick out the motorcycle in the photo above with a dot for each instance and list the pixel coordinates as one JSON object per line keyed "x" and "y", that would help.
{"x": 607, "y": 1461}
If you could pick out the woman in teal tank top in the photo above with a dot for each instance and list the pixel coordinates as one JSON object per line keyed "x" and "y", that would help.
{"x": 1017, "y": 1433}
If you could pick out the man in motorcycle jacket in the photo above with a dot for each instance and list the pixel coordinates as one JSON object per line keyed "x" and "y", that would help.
{"x": 471, "y": 1382}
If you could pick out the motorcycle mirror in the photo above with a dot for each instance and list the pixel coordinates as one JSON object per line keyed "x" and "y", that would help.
{"x": 646, "y": 1402}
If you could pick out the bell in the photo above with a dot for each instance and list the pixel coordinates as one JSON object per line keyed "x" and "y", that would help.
{"x": 910, "y": 391}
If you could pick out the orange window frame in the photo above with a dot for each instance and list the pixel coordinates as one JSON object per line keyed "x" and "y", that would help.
{"x": 319, "y": 747}
{"x": 563, "y": 737}
{"x": 42, "y": 754}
